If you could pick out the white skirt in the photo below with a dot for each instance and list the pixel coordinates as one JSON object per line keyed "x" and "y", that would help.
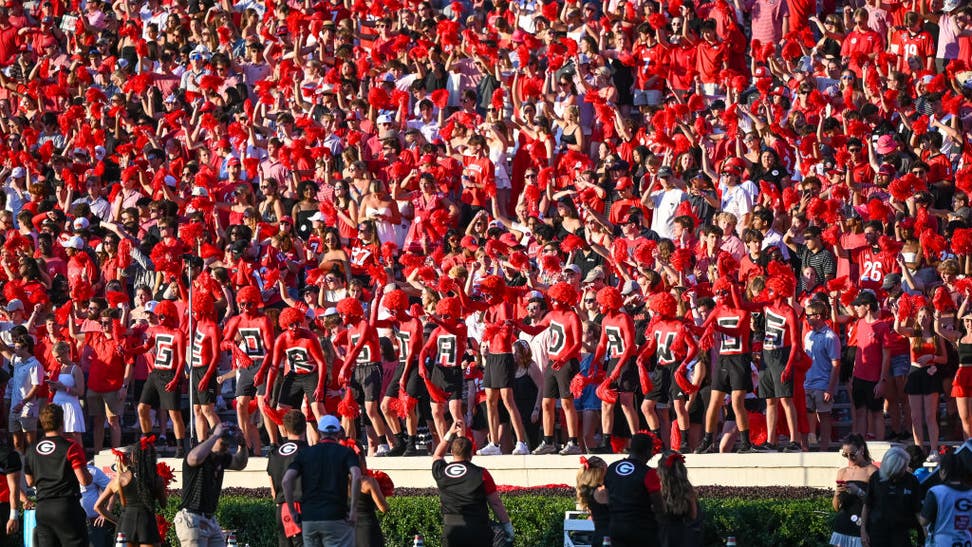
{"x": 843, "y": 540}
{"x": 73, "y": 414}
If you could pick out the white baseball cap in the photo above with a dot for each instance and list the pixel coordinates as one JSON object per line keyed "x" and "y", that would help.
{"x": 18, "y": 173}
{"x": 74, "y": 242}
{"x": 14, "y": 305}
{"x": 81, "y": 223}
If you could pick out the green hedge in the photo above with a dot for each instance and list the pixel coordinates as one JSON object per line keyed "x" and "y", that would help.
{"x": 538, "y": 518}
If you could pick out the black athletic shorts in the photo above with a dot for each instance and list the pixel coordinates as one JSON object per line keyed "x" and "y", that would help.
{"x": 733, "y": 373}
{"x": 203, "y": 395}
{"x": 862, "y": 393}
{"x": 500, "y": 370}
{"x": 154, "y": 393}
{"x": 448, "y": 379}
{"x": 556, "y": 383}
{"x": 244, "y": 381}
{"x": 366, "y": 382}
{"x": 459, "y": 532}
{"x": 770, "y": 385}
{"x": 661, "y": 385}
{"x": 294, "y": 387}
{"x": 628, "y": 381}
{"x": 413, "y": 384}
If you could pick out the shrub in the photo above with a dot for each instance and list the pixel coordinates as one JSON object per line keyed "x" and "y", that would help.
{"x": 755, "y": 516}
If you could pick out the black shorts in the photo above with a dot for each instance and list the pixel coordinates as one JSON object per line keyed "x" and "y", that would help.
{"x": 770, "y": 385}
{"x": 448, "y": 379}
{"x": 244, "y": 381}
{"x": 628, "y": 381}
{"x": 556, "y": 383}
{"x": 61, "y": 521}
{"x": 500, "y": 370}
{"x": 154, "y": 393}
{"x": 366, "y": 382}
{"x": 413, "y": 384}
{"x": 696, "y": 410}
{"x": 862, "y": 393}
{"x": 661, "y": 385}
{"x": 295, "y": 386}
{"x": 203, "y": 395}
{"x": 919, "y": 382}
{"x": 733, "y": 373}
{"x": 480, "y": 420}
{"x": 460, "y": 532}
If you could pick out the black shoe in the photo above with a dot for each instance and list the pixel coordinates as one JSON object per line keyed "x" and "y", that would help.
{"x": 767, "y": 447}
{"x": 706, "y": 447}
{"x": 792, "y": 448}
{"x": 746, "y": 448}
{"x": 683, "y": 448}
{"x": 180, "y": 451}
{"x": 602, "y": 449}
{"x": 398, "y": 450}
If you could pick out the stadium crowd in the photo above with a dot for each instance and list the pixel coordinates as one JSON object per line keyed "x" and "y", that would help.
{"x": 559, "y": 223}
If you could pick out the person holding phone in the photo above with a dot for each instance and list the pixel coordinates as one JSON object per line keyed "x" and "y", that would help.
{"x": 851, "y": 489}
{"x": 466, "y": 492}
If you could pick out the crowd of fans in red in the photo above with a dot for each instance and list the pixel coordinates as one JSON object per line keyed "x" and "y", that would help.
{"x": 562, "y": 222}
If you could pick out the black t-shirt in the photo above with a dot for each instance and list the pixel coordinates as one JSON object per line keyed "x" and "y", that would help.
{"x": 277, "y": 464}
{"x": 463, "y": 487}
{"x": 323, "y": 470}
{"x": 9, "y": 463}
{"x": 51, "y": 462}
{"x": 629, "y": 483}
{"x": 201, "y": 484}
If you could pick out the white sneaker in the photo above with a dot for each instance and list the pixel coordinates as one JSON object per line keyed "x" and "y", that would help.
{"x": 490, "y": 450}
{"x": 571, "y": 449}
{"x": 521, "y": 449}
{"x": 382, "y": 450}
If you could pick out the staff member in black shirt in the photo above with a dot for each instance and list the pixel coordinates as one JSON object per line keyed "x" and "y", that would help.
{"x": 202, "y": 481}
{"x": 11, "y": 470}
{"x": 279, "y": 460}
{"x": 466, "y": 491}
{"x": 326, "y": 515}
{"x": 634, "y": 494}
{"x": 57, "y": 468}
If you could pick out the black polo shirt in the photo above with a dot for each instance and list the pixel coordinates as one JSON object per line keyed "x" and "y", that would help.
{"x": 201, "y": 484}
{"x": 463, "y": 488}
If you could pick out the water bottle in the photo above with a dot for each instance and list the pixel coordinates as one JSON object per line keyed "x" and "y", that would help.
{"x": 731, "y": 541}
{"x": 121, "y": 540}
{"x": 231, "y": 540}
{"x": 606, "y": 542}
{"x": 419, "y": 542}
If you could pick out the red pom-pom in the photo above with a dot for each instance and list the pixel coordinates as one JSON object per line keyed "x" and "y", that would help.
{"x": 572, "y": 243}
{"x": 942, "y": 301}
{"x": 932, "y": 244}
{"x": 440, "y": 98}
{"x": 681, "y": 260}
{"x": 962, "y": 241}
{"x": 606, "y": 394}
{"x": 563, "y": 292}
{"x": 348, "y": 407}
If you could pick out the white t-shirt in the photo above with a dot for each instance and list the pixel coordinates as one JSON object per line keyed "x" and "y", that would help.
{"x": 26, "y": 374}
{"x": 663, "y": 215}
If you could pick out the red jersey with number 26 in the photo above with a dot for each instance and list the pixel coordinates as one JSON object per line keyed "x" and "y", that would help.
{"x": 875, "y": 265}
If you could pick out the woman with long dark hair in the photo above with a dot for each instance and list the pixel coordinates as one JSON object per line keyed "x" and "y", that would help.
{"x": 851, "y": 488}
{"x": 681, "y": 516}
{"x": 141, "y": 492}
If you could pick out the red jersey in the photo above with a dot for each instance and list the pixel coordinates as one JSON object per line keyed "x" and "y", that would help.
{"x": 710, "y": 60}
{"x": 255, "y": 332}
{"x": 919, "y": 46}
{"x": 169, "y": 346}
{"x": 732, "y": 330}
{"x": 204, "y": 346}
{"x": 447, "y": 345}
{"x": 781, "y": 324}
{"x": 866, "y": 43}
{"x": 302, "y": 352}
{"x": 362, "y": 344}
{"x": 671, "y": 341}
{"x": 617, "y": 338}
{"x": 409, "y": 334}
{"x": 875, "y": 265}
{"x": 566, "y": 334}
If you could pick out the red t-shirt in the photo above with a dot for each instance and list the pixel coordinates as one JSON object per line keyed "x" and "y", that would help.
{"x": 871, "y": 339}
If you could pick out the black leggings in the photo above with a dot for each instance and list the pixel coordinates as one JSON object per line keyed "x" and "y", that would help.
{"x": 456, "y": 533}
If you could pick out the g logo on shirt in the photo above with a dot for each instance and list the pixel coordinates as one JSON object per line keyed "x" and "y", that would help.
{"x": 45, "y": 448}
{"x": 624, "y": 469}
{"x": 455, "y": 470}
{"x": 288, "y": 449}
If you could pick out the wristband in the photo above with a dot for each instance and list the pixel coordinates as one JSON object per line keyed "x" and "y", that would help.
{"x": 448, "y": 438}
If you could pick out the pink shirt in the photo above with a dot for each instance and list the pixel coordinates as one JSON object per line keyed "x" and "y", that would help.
{"x": 767, "y": 17}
